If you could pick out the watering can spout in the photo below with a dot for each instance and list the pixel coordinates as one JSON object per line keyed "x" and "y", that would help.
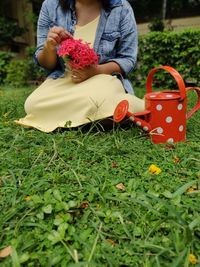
{"x": 139, "y": 118}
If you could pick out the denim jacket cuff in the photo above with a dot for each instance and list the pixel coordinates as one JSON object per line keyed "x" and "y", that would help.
{"x": 124, "y": 64}
{"x": 60, "y": 65}
{"x": 35, "y": 56}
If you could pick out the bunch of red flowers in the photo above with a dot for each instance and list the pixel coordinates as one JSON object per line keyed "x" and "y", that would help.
{"x": 78, "y": 53}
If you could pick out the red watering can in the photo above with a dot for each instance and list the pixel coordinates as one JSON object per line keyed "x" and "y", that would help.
{"x": 166, "y": 112}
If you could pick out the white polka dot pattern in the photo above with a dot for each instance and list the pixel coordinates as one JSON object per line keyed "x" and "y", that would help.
{"x": 180, "y": 106}
{"x": 138, "y": 123}
{"x": 159, "y": 107}
{"x": 160, "y": 130}
{"x": 170, "y": 140}
{"x": 166, "y": 117}
{"x": 169, "y": 119}
{"x": 181, "y": 128}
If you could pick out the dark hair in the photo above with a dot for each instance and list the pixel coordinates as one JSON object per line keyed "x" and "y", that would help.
{"x": 65, "y": 4}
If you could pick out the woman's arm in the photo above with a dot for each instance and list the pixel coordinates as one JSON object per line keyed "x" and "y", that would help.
{"x": 127, "y": 47}
{"x": 48, "y": 37}
{"x": 47, "y": 57}
{"x": 109, "y": 68}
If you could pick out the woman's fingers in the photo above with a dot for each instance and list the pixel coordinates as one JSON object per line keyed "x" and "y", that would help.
{"x": 67, "y": 34}
{"x": 77, "y": 76}
{"x": 85, "y": 73}
{"x": 76, "y": 79}
{"x": 61, "y": 32}
{"x": 56, "y": 35}
{"x": 51, "y": 42}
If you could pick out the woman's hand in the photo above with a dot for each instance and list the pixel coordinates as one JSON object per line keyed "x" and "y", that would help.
{"x": 48, "y": 56}
{"x": 81, "y": 75}
{"x": 55, "y": 36}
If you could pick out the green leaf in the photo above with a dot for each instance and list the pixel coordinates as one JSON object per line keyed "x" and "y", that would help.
{"x": 167, "y": 194}
{"x": 47, "y": 209}
{"x": 40, "y": 215}
{"x": 54, "y": 237}
{"x": 176, "y": 200}
{"x": 48, "y": 196}
{"x": 183, "y": 188}
{"x": 194, "y": 223}
{"x": 56, "y": 194}
{"x": 179, "y": 259}
{"x": 62, "y": 229}
{"x": 36, "y": 199}
{"x": 61, "y": 206}
{"x": 85, "y": 234}
{"x": 24, "y": 257}
{"x": 58, "y": 220}
{"x": 15, "y": 258}
{"x": 72, "y": 204}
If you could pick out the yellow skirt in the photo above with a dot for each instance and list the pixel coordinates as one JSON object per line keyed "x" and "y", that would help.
{"x": 62, "y": 103}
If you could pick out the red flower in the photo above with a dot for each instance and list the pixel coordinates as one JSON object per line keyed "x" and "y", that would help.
{"x": 80, "y": 54}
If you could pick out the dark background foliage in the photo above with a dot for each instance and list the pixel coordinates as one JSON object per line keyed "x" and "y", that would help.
{"x": 177, "y": 49}
{"x": 146, "y": 10}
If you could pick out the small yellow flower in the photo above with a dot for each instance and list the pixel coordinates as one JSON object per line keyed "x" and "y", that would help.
{"x": 27, "y": 198}
{"x": 154, "y": 169}
{"x": 191, "y": 189}
{"x": 192, "y": 259}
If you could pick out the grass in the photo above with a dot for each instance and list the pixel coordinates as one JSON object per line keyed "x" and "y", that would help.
{"x": 60, "y": 205}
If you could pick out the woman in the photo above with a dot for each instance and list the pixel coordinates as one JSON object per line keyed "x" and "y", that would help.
{"x": 76, "y": 97}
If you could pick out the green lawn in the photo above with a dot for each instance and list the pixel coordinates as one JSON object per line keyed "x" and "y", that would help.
{"x": 60, "y": 205}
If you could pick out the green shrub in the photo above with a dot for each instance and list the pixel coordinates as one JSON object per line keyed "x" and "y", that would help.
{"x": 34, "y": 72}
{"x": 17, "y": 73}
{"x": 9, "y": 30}
{"x": 20, "y": 72}
{"x": 179, "y": 50}
{"x": 5, "y": 58}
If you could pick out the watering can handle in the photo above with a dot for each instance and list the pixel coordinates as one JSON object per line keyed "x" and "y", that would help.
{"x": 197, "y": 106}
{"x": 174, "y": 73}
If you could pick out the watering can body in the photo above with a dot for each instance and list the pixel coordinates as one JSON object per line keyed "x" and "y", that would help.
{"x": 167, "y": 116}
{"x": 165, "y": 112}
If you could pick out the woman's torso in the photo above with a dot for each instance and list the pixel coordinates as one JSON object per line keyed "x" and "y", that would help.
{"x": 108, "y": 32}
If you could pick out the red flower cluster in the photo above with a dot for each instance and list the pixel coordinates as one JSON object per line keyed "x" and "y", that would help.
{"x": 80, "y": 55}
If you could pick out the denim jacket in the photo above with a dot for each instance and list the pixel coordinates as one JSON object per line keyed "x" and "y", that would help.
{"x": 116, "y": 36}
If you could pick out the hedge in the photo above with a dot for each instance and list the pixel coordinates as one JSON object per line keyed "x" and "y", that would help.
{"x": 19, "y": 72}
{"x": 180, "y": 50}
{"x": 5, "y": 58}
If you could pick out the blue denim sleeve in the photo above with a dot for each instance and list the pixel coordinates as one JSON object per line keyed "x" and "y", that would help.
{"x": 128, "y": 43}
{"x": 43, "y": 25}
{"x": 45, "y": 22}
